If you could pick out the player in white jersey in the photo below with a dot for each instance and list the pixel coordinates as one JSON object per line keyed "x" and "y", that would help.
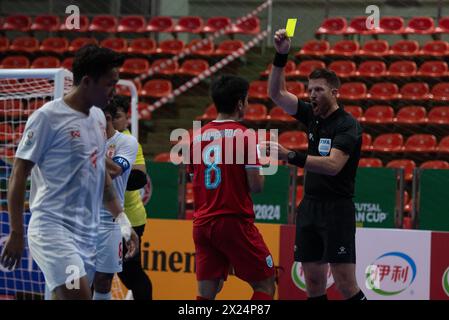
{"x": 121, "y": 150}
{"x": 63, "y": 147}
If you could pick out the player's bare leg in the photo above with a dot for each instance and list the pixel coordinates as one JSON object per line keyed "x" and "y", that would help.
{"x": 102, "y": 285}
{"x": 208, "y": 289}
{"x": 315, "y": 275}
{"x": 266, "y": 287}
{"x": 345, "y": 279}
{"x": 81, "y": 293}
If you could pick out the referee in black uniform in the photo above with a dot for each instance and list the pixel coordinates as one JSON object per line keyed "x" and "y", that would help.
{"x": 325, "y": 224}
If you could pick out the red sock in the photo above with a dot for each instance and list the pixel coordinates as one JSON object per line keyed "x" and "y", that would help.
{"x": 201, "y": 298}
{"x": 257, "y": 295}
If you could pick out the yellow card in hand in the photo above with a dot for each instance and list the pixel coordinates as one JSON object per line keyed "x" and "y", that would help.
{"x": 290, "y": 28}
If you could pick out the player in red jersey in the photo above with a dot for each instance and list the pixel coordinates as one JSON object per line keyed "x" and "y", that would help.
{"x": 225, "y": 169}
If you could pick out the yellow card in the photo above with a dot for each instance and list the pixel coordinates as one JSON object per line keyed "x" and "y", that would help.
{"x": 290, "y": 28}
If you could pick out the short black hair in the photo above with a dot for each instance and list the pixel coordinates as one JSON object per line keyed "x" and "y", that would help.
{"x": 114, "y": 106}
{"x": 329, "y": 75}
{"x": 227, "y": 90}
{"x": 94, "y": 61}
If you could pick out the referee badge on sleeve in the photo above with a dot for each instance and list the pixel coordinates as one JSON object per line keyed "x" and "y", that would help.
{"x": 324, "y": 147}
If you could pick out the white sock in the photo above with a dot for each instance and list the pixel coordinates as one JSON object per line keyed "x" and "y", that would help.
{"x": 102, "y": 296}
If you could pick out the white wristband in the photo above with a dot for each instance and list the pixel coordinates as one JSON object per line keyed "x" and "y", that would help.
{"x": 125, "y": 225}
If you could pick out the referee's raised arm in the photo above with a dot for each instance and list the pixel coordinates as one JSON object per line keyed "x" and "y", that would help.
{"x": 276, "y": 84}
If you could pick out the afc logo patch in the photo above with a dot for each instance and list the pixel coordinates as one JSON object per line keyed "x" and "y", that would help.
{"x": 269, "y": 261}
{"x": 324, "y": 147}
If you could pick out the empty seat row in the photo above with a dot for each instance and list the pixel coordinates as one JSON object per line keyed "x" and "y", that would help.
{"x": 387, "y": 25}
{"x": 132, "y": 24}
{"x": 394, "y": 142}
{"x": 374, "y": 48}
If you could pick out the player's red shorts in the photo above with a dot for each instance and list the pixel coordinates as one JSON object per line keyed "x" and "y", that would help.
{"x": 231, "y": 241}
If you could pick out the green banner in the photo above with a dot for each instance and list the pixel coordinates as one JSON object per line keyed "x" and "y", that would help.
{"x": 271, "y": 205}
{"x": 433, "y": 200}
{"x": 375, "y": 197}
{"x": 164, "y": 199}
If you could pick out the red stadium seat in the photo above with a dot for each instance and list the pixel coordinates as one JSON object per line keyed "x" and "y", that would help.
{"x": 83, "y": 27}
{"x": 352, "y": 91}
{"x": 209, "y": 114}
{"x": 165, "y": 66}
{"x": 227, "y": 47}
{"x": 104, "y": 23}
{"x": 190, "y": 24}
{"x": 443, "y": 146}
{"x": 433, "y": 69}
{"x": 162, "y": 157}
{"x": 289, "y": 69}
{"x": 391, "y": 25}
{"x": 247, "y": 26}
{"x": 6, "y": 132}
{"x": 405, "y": 48}
{"x": 55, "y": 45}
{"x": 411, "y": 115}
{"x": 388, "y": 142}
{"x": 372, "y": 68}
{"x": 157, "y": 88}
{"x": 258, "y": 90}
{"x": 135, "y": 66}
{"x": 439, "y": 115}
{"x": 4, "y": 44}
{"x": 278, "y": 114}
{"x": 46, "y": 62}
{"x": 67, "y": 63}
{"x": 415, "y": 91}
{"x": 172, "y": 47}
{"x": 10, "y": 108}
{"x": 370, "y": 163}
{"x": 193, "y": 67}
{"x": 421, "y": 143}
{"x": 18, "y": 132}
{"x": 420, "y": 25}
{"x": 333, "y": 25}
{"x": 205, "y": 49}
{"x": 299, "y": 194}
{"x": 384, "y": 91}
{"x": 116, "y": 44}
{"x": 379, "y": 115}
{"x": 355, "y": 111}
{"x": 189, "y": 193}
{"x": 17, "y": 23}
{"x": 374, "y": 48}
{"x": 305, "y": 68}
{"x": 343, "y": 68}
{"x": 407, "y": 165}
{"x": 440, "y": 91}
{"x": 160, "y": 24}
{"x": 296, "y": 140}
{"x": 46, "y": 22}
{"x": 78, "y": 43}
{"x": 407, "y": 222}
{"x": 296, "y": 88}
{"x": 24, "y": 44}
{"x": 367, "y": 142}
{"x": 15, "y": 62}
{"x": 358, "y": 26}
{"x": 403, "y": 68}
{"x": 255, "y": 112}
{"x": 435, "y": 164}
{"x": 214, "y": 24}
{"x": 435, "y": 49}
{"x": 134, "y": 24}
{"x": 316, "y": 48}
{"x": 144, "y": 46}
{"x": 123, "y": 90}
{"x": 143, "y": 110}
{"x": 345, "y": 48}
{"x": 443, "y": 25}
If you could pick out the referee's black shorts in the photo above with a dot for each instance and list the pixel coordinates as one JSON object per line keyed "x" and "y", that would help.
{"x": 325, "y": 231}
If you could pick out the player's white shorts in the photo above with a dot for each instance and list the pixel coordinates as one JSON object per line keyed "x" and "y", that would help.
{"x": 62, "y": 259}
{"x": 109, "y": 249}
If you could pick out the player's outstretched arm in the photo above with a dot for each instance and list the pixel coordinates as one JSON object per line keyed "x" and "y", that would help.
{"x": 13, "y": 249}
{"x": 276, "y": 83}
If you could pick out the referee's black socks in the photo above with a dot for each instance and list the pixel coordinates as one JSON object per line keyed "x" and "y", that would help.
{"x": 358, "y": 296}
{"x": 317, "y": 298}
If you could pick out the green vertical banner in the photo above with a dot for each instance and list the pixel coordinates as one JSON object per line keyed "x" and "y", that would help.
{"x": 164, "y": 199}
{"x": 433, "y": 200}
{"x": 375, "y": 197}
{"x": 271, "y": 205}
